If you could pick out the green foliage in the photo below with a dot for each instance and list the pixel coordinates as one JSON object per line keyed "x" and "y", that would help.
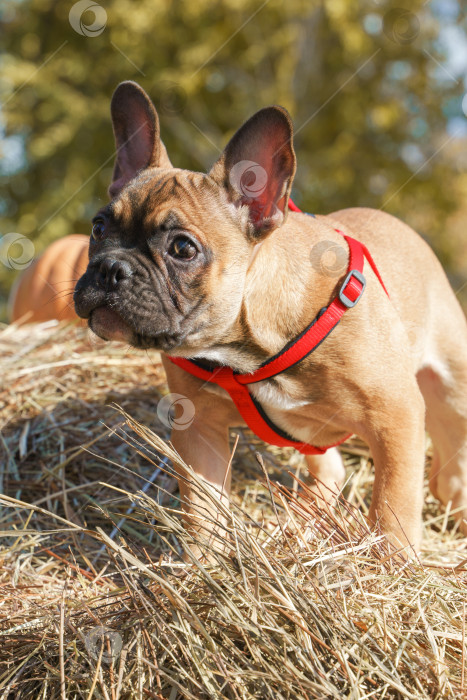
{"x": 369, "y": 101}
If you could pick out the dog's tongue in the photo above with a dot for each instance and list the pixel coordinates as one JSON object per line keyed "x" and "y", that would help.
{"x": 109, "y": 325}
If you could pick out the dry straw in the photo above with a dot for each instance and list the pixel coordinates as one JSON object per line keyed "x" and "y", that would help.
{"x": 97, "y": 601}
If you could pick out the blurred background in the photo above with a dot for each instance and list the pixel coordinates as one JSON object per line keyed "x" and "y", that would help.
{"x": 376, "y": 89}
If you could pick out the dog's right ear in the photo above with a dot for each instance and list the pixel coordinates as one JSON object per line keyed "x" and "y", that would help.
{"x": 137, "y": 135}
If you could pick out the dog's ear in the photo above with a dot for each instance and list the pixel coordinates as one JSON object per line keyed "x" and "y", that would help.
{"x": 257, "y": 168}
{"x": 137, "y": 135}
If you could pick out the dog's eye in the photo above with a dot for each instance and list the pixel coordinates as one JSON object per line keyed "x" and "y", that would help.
{"x": 98, "y": 229}
{"x": 182, "y": 248}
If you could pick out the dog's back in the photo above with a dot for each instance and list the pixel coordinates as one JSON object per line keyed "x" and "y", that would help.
{"x": 45, "y": 290}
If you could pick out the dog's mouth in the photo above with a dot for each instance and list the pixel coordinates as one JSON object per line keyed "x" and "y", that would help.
{"x": 109, "y": 325}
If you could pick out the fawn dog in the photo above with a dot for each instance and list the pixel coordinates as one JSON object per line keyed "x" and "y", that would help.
{"x": 216, "y": 272}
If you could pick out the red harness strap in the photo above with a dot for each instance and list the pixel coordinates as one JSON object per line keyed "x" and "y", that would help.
{"x": 236, "y": 384}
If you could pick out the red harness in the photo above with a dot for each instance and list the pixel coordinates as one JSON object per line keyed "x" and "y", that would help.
{"x": 296, "y": 350}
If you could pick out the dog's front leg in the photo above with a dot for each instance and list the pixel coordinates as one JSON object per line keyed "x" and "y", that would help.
{"x": 204, "y": 445}
{"x": 397, "y": 443}
{"x": 328, "y": 474}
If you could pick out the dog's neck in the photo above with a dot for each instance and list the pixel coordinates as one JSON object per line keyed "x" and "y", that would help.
{"x": 282, "y": 296}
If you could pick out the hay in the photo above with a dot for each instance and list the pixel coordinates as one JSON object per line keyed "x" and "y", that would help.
{"x": 98, "y": 603}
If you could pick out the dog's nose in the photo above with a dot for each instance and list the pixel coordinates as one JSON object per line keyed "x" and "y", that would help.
{"x": 111, "y": 272}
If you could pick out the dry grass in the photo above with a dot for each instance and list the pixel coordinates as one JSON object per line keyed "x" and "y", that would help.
{"x": 97, "y": 602}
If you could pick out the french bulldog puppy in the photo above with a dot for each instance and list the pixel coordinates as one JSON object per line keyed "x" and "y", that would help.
{"x": 215, "y": 268}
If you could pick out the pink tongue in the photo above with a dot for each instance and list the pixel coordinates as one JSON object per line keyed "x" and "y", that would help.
{"x": 109, "y": 325}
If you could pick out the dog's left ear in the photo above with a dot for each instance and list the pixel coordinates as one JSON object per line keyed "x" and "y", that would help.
{"x": 257, "y": 168}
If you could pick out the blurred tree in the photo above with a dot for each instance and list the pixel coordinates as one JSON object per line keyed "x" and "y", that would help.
{"x": 377, "y": 111}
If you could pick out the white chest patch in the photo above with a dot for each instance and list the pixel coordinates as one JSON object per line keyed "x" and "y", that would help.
{"x": 270, "y": 395}
{"x": 284, "y": 408}
{"x": 282, "y": 399}
{"x": 280, "y": 406}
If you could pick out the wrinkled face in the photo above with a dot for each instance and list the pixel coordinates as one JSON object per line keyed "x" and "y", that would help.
{"x": 169, "y": 255}
{"x": 168, "y": 258}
